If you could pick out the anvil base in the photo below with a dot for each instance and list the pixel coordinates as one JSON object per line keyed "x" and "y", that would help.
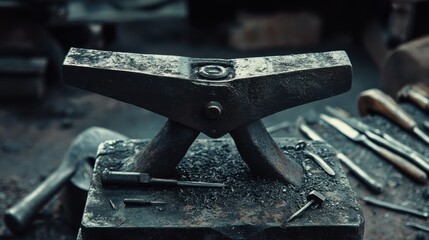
{"x": 248, "y": 208}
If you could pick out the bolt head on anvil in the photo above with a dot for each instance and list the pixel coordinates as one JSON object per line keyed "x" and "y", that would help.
{"x": 182, "y": 88}
{"x": 316, "y": 196}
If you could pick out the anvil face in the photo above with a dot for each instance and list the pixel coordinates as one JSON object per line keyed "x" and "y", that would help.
{"x": 182, "y": 88}
{"x": 213, "y": 96}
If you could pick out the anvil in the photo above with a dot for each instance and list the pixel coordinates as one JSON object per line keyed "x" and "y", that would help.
{"x": 213, "y": 96}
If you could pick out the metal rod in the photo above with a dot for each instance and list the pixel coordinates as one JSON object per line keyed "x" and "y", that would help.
{"x": 143, "y": 179}
{"x": 395, "y": 207}
{"x": 199, "y": 184}
{"x": 370, "y": 182}
{"x": 307, "y": 205}
{"x": 142, "y": 202}
{"x": 421, "y": 134}
{"x": 417, "y": 226}
{"x": 112, "y": 205}
{"x": 321, "y": 162}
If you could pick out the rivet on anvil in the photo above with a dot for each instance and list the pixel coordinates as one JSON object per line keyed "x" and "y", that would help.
{"x": 213, "y": 110}
{"x": 184, "y": 89}
{"x": 213, "y": 72}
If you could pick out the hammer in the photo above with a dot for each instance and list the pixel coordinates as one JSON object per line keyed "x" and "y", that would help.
{"x": 83, "y": 148}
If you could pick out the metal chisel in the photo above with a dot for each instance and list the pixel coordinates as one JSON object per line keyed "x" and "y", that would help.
{"x": 382, "y": 138}
{"x": 370, "y": 182}
{"x": 406, "y": 167}
{"x": 136, "y": 179}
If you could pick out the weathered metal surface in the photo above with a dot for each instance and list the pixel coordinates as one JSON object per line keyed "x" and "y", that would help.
{"x": 73, "y": 196}
{"x": 213, "y": 96}
{"x": 166, "y": 149}
{"x": 173, "y": 87}
{"x": 249, "y": 208}
{"x": 263, "y": 156}
{"x": 144, "y": 180}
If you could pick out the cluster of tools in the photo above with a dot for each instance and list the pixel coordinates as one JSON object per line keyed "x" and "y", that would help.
{"x": 205, "y": 109}
{"x": 127, "y": 179}
{"x": 212, "y": 96}
{"x": 405, "y": 159}
{"x": 144, "y": 180}
{"x": 215, "y": 97}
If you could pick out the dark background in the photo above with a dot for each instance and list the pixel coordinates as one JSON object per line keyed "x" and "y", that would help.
{"x": 39, "y": 116}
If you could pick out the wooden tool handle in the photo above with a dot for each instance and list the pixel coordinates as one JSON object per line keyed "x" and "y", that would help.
{"x": 373, "y": 100}
{"x": 422, "y": 88}
{"x": 416, "y": 96}
{"x": 420, "y": 100}
{"x": 403, "y": 165}
{"x": 22, "y": 213}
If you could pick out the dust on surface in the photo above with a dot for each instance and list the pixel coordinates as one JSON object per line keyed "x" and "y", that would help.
{"x": 398, "y": 188}
{"x": 246, "y": 201}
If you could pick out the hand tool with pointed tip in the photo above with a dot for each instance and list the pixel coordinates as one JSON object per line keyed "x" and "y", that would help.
{"x": 395, "y": 207}
{"x": 213, "y": 96}
{"x": 113, "y": 205}
{"x": 142, "y": 202}
{"x": 417, "y": 226}
{"x": 370, "y": 182}
{"x": 382, "y": 138}
{"x": 374, "y": 100}
{"x": 83, "y": 147}
{"x": 314, "y": 197}
{"x": 416, "y": 93}
{"x": 321, "y": 162}
{"x": 115, "y": 178}
{"x": 301, "y": 146}
{"x": 403, "y": 165}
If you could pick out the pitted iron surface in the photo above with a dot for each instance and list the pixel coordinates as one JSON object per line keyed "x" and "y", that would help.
{"x": 175, "y": 87}
{"x": 248, "y": 208}
{"x": 213, "y": 96}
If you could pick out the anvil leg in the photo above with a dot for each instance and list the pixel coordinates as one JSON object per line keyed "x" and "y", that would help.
{"x": 263, "y": 156}
{"x": 166, "y": 149}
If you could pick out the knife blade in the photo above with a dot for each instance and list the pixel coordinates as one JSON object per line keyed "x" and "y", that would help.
{"x": 370, "y": 182}
{"x": 403, "y": 165}
{"x": 381, "y": 138}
